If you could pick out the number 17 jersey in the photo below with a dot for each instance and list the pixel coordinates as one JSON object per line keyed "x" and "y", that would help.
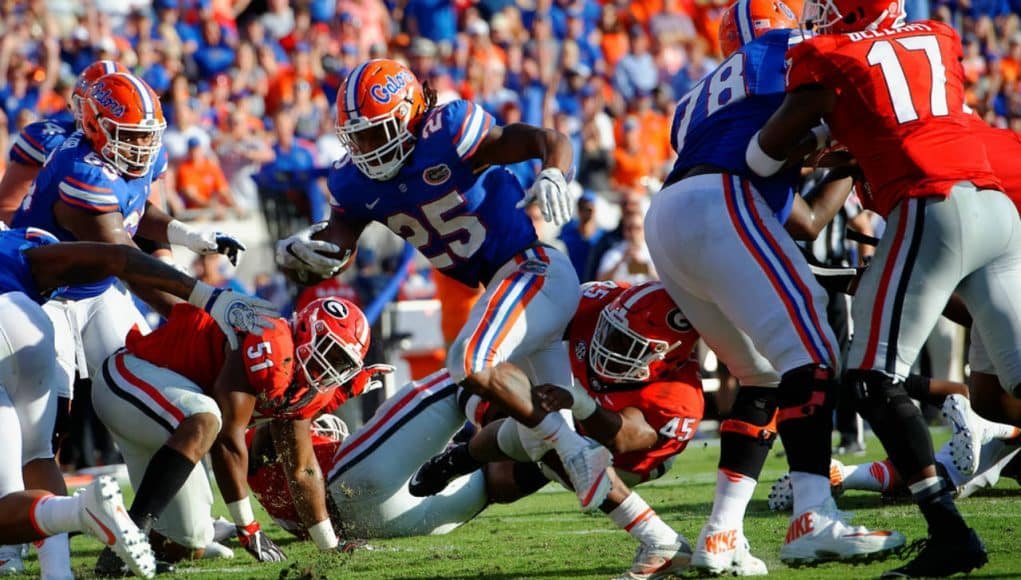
{"x": 899, "y": 108}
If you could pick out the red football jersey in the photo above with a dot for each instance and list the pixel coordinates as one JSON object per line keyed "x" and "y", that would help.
{"x": 899, "y": 110}
{"x": 672, "y": 407}
{"x": 1003, "y": 147}
{"x": 329, "y": 288}
{"x": 269, "y": 484}
{"x": 190, "y": 343}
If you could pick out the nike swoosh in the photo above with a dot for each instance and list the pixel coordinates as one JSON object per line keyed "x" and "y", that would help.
{"x": 111, "y": 539}
{"x": 882, "y": 534}
{"x": 373, "y": 204}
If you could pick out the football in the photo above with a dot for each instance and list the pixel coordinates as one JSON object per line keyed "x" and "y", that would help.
{"x": 341, "y": 235}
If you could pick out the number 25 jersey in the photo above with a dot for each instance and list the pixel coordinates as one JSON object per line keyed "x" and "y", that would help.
{"x": 899, "y": 108}
{"x": 464, "y": 221}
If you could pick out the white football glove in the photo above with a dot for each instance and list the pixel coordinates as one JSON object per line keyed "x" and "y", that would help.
{"x": 233, "y": 311}
{"x": 203, "y": 242}
{"x": 550, "y": 192}
{"x": 301, "y": 252}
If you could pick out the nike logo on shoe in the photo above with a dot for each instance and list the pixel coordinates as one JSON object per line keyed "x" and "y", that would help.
{"x": 110, "y": 538}
{"x": 592, "y": 489}
{"x": 800, "y": 526}
{"x": 879, "y": 534}
{"x": 725, "y": 541}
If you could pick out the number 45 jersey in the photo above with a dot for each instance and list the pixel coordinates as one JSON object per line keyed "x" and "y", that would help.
{"x": 464, "y": 221}
{"x": 899, "y": 109}
{"x": 715, "y": 120}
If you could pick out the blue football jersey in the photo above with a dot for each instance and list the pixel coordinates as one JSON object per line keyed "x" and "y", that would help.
{"x": 80, "y": 177}
{"x": 715, "y": 120}
{"x": 464, "y": 222}
{"x": 38, "y": 140}
{"x": 15, "y": 271}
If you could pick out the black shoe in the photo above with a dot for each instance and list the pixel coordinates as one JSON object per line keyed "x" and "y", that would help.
{"x": 944, "y": 556}
{"x": 110, "y": 565}
{"x": 436, "y": 473}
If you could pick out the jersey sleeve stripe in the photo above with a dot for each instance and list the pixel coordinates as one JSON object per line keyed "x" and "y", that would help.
{"x": 489, "y": 122}
{"x": 473, "y": 133}
{"x": 30, "y": 148}
{"x": 464, "y": 124}
{"x": 82, "y": 185}
{"x": 76, "y": 196}
{"x": 23, "y": 156}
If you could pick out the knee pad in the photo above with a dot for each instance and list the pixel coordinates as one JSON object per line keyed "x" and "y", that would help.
{"x": 747, "y": 436}
{"x": 874, "y": 392}
{"x": 805, "y": 392}
{"x": 917, "y": 387}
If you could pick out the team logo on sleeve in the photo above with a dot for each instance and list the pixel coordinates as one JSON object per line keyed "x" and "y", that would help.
{"x": 436, "y": 174}
{"x": 675, "y": 319}
{"x": 335, "y": 308}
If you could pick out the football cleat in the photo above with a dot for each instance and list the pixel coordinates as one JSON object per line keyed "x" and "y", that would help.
{"x": 970, "y": 433}
{"x": 217, "y": 551}
{"x": 10, "y": 560}
{"x": 821, "y": 535}
{"x": 944, "y": 557}
{"x": 725, "y": 552}
{"x": 659, "y": 561}
{"x": 110, "y": 565}
{"x": 104, "y": 517}
{"x": 781, "y": 495}
{"x": 436, "y": 473}
{"x": 587, "y": 469}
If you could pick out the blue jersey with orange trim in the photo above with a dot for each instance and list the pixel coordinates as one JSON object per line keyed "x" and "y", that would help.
{"x": 80, "y": 177}
{"x": 716, "y": 119}
{"x": 15, "y": 271}
{"x": 38, "y": 140}
{"x": 464, "y": 221}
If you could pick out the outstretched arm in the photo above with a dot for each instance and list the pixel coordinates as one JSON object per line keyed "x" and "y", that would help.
{"x": 520, "y": 142}
{"x": 293, "y": 441}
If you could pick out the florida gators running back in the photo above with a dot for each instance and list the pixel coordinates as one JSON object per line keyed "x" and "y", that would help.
{"x": 893, "y": 93}
{"x": 715, "y": 235}
{"x": 434, "y": 175}
{"x": 38, "y": 140}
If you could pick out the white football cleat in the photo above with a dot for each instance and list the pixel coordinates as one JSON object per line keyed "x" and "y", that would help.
{"x": 216, "y": 551}
{"x": 659, "y": 561}
{"x": 781, "y": 495}
{"x": 821, "y": 535}
{"x": 970, "y": 433}
{"x": 103, "y": 516}
{"x": 587, "y": 470}
{"x": 10, "y": 560}
{"x": 725, "y": 551}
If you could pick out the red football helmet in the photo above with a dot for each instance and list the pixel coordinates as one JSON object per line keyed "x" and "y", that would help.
{"x": 379, "y": 107}
{"x": 639, "y": 336}
{"x": 85, "y": 79}
{"x": 747, "y": 20}
{"x": 123, "y": 118}
{"x": 843, "y": 16}
{"x": 331, "y": 337}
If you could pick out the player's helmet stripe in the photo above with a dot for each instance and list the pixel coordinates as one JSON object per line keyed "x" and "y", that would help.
{"x": 744, "y": 21}
{"x": 652, "y": 287}
{"x": 109, "y": 67}
{"x": 351, "y": 92}
{"x": 148, "y": 109}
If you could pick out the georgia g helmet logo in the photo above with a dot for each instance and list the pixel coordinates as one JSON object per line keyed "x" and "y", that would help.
{"x": 335, "y": 308}
{"x": 675, "y": 319}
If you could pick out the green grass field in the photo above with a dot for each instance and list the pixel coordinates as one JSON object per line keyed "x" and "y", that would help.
{"x": 545, "y": 536}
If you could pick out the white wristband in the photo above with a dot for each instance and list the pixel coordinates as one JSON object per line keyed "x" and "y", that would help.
{"x": 323, "y": 535}
{"x": 201, "y": 294}
{"x": 584, "y": 405}
{"x": 822, "y": 135}
{"x": 758, "y": 160}
{"x": 178, "y": 232}
{"x": 241, "y": 512}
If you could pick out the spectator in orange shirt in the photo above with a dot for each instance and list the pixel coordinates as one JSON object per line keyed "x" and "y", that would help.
{"x": 1010, "y": 65}
{"x": 201, "y": 184}
{"x": 631, "y": 160}
{"x": 615, "y": 43}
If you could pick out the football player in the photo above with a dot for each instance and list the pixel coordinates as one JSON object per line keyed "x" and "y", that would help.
{"x": 629, "y": 351}
{"x": 434, "y": 175}
{"x": 35, "y": 268}
{"x": 95, "y": 188}
{"x": 173, "y": 395}
{"x": 716, "y": 236}
{"x": 893, "y": 93}
{"x": 38, "y": 140}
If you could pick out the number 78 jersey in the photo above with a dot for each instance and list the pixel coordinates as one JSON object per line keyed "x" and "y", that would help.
{"x": 715, "y": 120}
{"x": 899, "y": 109}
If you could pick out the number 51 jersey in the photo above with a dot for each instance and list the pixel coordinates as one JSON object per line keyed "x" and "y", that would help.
{"x": 464, "y": 221}
{"x": 715, "y": 120}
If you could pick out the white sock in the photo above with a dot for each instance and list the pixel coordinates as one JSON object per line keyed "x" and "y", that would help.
{"x": 554, "y": 431}
{"x": 875, "y": 476}
{"x": 635, "y": 517}
{"x": 54, "y": 557}
{"x": 733, "y": 492}
{"x": 810, "y": 491}
{"x": 57, "y": 514}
